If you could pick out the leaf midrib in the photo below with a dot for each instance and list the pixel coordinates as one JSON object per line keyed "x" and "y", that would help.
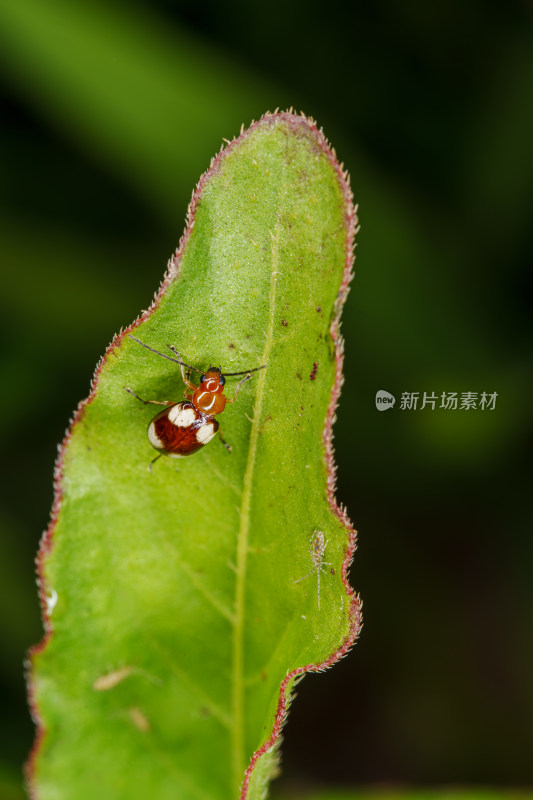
{"x": 238, "y": 753}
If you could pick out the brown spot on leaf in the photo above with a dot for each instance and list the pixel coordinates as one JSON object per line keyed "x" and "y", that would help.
{"x": 111, "y": 679}
{"x": 266, "y": 419}
{"x": 139, "y": 720}
{"x": 312, "y": 376}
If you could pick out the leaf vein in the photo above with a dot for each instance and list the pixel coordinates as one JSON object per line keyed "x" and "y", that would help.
{"x": 238, "y": 753}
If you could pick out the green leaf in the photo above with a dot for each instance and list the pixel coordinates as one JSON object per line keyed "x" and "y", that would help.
{"x": 178, "y": 626}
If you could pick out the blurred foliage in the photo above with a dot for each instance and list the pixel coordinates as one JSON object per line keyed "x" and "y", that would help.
{"x": 110, "y": 113}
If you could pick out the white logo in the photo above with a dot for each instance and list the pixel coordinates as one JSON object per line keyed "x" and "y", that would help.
{"x": 384, "y": 400}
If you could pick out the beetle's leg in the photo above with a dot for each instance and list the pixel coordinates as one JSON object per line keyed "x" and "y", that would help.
{"x": 154, "y": 402}
{"x": 152, "y": 462}
{"x": 185, "y": 375}
{"x": 246, "y": 378}
{"x": 188, "y": 382}
{"x": 224, "y": 442}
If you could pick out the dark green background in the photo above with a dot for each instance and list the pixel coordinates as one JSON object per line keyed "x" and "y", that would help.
{"x": 429, "y": 107}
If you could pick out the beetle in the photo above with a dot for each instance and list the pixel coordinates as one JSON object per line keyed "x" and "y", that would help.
{"x": 183, "y": 428}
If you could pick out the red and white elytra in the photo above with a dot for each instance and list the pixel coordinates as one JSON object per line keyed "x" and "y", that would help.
{"x": 183, "y": 428}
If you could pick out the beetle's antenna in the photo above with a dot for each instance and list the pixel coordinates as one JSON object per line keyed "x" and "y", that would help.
{"x": 171, "y": 347}
{"x": 244, "y": 372}
{"x": 164, "y": 355}
{"x": 189, "y": 366}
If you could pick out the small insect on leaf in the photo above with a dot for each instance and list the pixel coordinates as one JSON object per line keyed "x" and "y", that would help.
{"x": 316, "y": 551}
